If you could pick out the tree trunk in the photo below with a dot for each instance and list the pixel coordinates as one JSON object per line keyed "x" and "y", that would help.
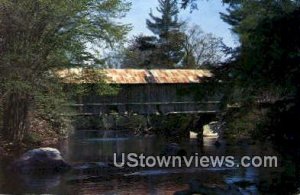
{"x": 15, "y": 116}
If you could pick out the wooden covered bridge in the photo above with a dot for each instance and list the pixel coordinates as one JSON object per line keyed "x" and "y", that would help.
{"x": 145, "y": 92}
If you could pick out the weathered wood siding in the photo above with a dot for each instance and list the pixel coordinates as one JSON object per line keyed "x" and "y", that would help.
{"x": 146, "y": 99}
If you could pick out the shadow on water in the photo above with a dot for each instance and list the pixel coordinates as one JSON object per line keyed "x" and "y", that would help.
{"x": 94, "y": 146}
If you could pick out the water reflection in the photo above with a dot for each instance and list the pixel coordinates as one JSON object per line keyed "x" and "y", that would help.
{"x": 99, "y": 146}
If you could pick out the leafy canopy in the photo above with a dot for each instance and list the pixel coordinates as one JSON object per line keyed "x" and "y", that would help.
{"x": 39, "y": 37}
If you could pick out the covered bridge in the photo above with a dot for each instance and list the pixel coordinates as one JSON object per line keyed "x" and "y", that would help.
{"x": 145, "y": 92}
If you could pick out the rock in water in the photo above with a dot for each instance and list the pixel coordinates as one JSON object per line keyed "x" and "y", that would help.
{"x": 173, "y": 149}
{"x": 47, "y": 160}
{"x": 217, "y": 144}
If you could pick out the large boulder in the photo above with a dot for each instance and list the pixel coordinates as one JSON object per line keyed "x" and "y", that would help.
{"x": 47, "y": 160}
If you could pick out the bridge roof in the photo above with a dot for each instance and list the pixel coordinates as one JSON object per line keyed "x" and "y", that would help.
{"x": 137, "y": 76}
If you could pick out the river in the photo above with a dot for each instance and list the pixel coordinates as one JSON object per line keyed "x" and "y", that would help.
{"x": 87, "y": 146}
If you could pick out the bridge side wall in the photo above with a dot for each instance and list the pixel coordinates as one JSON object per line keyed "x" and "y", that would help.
{"x": 146, "y": 99}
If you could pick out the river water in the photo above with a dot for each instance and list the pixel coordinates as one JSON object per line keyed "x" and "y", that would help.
{"x": 90, "y": 146}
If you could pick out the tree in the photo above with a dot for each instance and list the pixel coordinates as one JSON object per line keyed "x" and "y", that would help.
{"x": 266, "y": 66}
{"x": 141, "y": 52}
{"x": 201, "y": 48}
{"x": 167, "y": 27}
{"x": 37, "y": 38}
{"x": 263, "y": 61}
{"x": 263, "y": 56}
{"x": 168, "y": 22}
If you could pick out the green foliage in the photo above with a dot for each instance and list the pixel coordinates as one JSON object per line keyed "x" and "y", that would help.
{"x": 141, "y": 52}
{"x": 175, "y": 45}
{"x": 268, "y": 66}
{"x": 134, "y": 122}
{"x": 168, "y": 21}
{"x": 39, "y": 37}
{"x": 53, "y": 110}
{"x": 265, "y": 68}
{"x": 173, "y": 125}
{"x": 245, "y": 123}
{"x": 32, "y": 138}
{"x": 265, "y": 29}
{"x": 84, "y": 81}
{"x": 151, "y": 52}
{"x": 167, "y": 27}
{"x": 88, "y": 122}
